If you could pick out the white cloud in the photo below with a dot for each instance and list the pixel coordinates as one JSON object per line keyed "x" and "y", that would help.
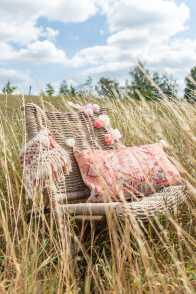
{"x": 177, "y": 56}
{"x": 18, "y": 32}
{"x": 42, "y": 52}
{"x": 110, "y": 69}
{"x": 141, "y": 30}
{"x": 38, "y": 52}
{"x": 138, "y": 30}
{"x": 128, "y": 37}
{"x": 18, "y": 20}
{"x": 70, "y": 11}
{"x": 14, "y": 76}
{"x": 161, "y": 15}
{"x": 95, "y": 56}
{"x": 64, "y": 10}
{"x": 6, "y": 52}
{"x": 18, "y": 24}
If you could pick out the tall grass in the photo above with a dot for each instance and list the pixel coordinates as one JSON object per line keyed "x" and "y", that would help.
{"x": 111, "y": 256}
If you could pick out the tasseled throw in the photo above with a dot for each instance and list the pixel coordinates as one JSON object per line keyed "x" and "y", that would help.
{"x": 43, "y": 160}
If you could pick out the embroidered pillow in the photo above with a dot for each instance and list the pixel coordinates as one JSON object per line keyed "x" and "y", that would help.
{"x": 114, "y": 175}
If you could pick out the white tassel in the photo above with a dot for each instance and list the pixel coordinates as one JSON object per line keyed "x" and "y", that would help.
{"x": 116, "y": 134}
{"x": 164, "y": 143}
{"x": 70, "y": 142}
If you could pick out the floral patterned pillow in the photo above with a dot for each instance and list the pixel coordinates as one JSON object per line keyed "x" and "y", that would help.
{"x": 126, "y": 173}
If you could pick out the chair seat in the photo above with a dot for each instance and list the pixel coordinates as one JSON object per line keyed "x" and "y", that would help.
{"x": 169, "y": 199}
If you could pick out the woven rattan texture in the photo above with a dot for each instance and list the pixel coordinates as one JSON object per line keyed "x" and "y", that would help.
{"x": 62, "y": 126}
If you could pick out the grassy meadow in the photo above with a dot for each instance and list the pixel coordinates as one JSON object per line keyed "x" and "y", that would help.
{"x": 111, "y": 256}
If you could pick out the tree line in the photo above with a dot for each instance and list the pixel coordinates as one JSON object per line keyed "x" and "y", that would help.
{"x": 142, "y": 84}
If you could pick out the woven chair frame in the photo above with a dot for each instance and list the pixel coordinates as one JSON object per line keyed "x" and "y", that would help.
{"x": 77, "y": 125}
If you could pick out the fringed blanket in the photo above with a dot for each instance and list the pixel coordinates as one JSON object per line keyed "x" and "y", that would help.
{"x": 44, "y": 161}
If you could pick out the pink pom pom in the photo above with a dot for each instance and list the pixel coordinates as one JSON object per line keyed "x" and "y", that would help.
{"x": 108, "y": 139}
{"x": 98, "y": 124}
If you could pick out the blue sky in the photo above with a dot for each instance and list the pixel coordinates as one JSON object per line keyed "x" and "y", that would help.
{"x": 50, "y": 41}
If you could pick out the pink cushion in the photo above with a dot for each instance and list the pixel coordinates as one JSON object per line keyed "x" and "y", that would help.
{"x": 114, "y": 175}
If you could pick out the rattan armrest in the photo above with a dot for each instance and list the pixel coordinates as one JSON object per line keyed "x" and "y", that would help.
{"x": 169, "y": 199}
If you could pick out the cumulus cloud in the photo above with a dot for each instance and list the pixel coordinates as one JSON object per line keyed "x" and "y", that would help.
{"x": 19, "y": 25}
{"x": 63, "y": 10}
{"x": 145, "y": 30}
{"x": 42, "y": 52}
{"x": 95, "y": 55}
{"x": 38, "y": 52}
{"x": 14, "y": 76}
{"x": 18, "y": 32}
{"x": 160, "y": 15}
{"x": 18, "y": 20}
{"x": 70, "y": 11}
{"x": 6, "y": 52}
{"x": 141, "y": 30}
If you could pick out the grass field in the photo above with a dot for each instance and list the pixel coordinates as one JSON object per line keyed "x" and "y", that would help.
{"x": 113, "y": 256}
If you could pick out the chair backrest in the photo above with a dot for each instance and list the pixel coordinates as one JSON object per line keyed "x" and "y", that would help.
{"x": 74, "y": 124}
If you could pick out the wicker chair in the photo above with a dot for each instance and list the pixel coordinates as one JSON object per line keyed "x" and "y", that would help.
{"x": 76, "y": 124}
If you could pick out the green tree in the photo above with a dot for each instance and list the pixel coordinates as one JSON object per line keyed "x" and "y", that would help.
{"x": 108, "y": 88}
{"x": 66, "y": 90}
{"x": 190, "y": 89}
{"x": 72, "y": 91}
{"x": 8, "y": 89}
{"x": 63, "y": 90}
{"x": 49, "y": 90}
{"x": 140, "y": 86}
{"x": 150, "y": 85}
{"x": 166, "y": 84}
